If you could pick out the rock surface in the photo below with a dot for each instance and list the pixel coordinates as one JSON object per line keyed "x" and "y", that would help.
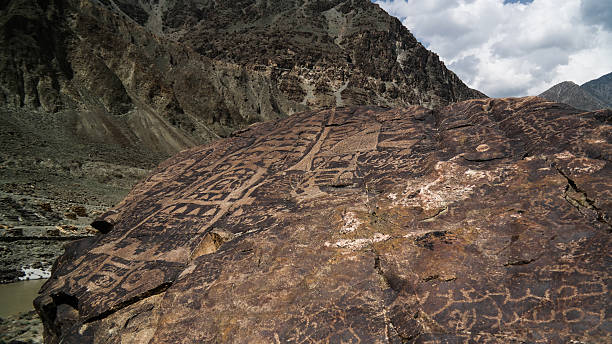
{"x": 593, "y": 95}
{"x": 95, "y": 93}
{"x": 487, "y": 221}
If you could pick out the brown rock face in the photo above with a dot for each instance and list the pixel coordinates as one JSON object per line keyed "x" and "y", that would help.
{"x": 320, "y": 53}
{"x": 487, "y": 221}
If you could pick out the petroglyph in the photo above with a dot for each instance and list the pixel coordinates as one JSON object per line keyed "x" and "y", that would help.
{"x": 485, "y": 221}
{"x": 355, "y": 244}
{"x": 438, "y": 193}
{"x": 351, "y": 222}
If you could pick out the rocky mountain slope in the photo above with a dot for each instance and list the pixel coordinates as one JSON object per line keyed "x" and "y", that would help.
{"x": 601, "y": 88}
{"x": 197, "y": 70}
{"x": 483, "y": 221}
{"x": 593, "y": 95}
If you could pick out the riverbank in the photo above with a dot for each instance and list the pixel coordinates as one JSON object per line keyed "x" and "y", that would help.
{"x": 23, "y": 328}
{"x": 53, "y": 184}
{"x": 19, "y": 323}
{"x": 28, "y": 252}
{"x": 29, "y": 245}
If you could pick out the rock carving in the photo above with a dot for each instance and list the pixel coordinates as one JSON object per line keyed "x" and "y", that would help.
{"x": 484, "y": 221}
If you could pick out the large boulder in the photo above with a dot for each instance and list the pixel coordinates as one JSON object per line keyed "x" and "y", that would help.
{"x": 485, "y": 221}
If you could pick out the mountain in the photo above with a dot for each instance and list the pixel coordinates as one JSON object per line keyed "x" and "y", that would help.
{"x": 198, "y": 70}
{"x": 484, "y": 221}
{"x": 95, "y": 93}
{"x": 601, "y": 88}
{"x": 593, "y": 95}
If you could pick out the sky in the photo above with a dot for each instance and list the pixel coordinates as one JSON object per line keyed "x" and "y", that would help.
{"x": 512, "y": 48}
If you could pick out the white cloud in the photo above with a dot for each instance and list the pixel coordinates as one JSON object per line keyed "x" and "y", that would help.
{"x": 517, "y": 48}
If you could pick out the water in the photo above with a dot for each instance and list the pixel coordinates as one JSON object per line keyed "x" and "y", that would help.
{"x": 17, "y": 297}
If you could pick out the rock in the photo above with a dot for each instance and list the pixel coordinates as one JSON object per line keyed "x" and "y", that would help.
{"x": 93, "y": 94}
{"x": 67, "y": 228}
{"x": 46, "y": 207}
{"x": 54, "y": 232}
{"x": 15, "y": 232}
{"x": 90, "y": 230}
{"x": 79, "y": 210}
{"x": 70, "y": 215}
{"x": 7, "y": 274}
{"x": 484, "y": 221}
{"x": 198, "y": 71}
{"x": 24, "y": 253}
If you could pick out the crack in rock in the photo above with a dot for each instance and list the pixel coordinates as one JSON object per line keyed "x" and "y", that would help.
{"x": 581, "y": 201}
{"x": 155, "y": 291}
{"x": 397, "y": 285}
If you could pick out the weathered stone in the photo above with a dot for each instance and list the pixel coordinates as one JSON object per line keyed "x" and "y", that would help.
{"x": 15, "y": 232}
{"x": 485, "y": 221}
{"x": 53, "y": 232}
{"x": 70, "y": 215}
{"x": 79, "y": 210}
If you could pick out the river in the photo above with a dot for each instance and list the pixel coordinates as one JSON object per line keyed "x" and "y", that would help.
{"x": 17, "y": 297}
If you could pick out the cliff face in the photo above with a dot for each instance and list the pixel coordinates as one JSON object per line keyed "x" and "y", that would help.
{"x": 121, "y": 79}
{"x": 593, "y": 95}
{"x": 484, "y": 221}
{"x": 200, "y": 69}
{"x": 320, "y": 53}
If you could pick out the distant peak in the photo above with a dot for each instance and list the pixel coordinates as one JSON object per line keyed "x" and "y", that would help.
{"x": 592, "y": 95}
{"x": 604, "y": 78}
{"x": 567, "y": 83}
